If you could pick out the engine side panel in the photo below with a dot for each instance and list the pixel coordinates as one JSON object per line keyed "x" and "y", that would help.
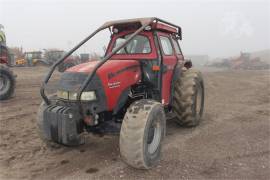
{"x": 117, "y": 77}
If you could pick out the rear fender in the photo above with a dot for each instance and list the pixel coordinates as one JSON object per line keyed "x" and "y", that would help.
{"x": 176, "y": 74}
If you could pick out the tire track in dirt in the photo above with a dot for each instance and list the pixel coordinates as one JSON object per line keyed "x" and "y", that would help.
{"x": 97, "y": 155}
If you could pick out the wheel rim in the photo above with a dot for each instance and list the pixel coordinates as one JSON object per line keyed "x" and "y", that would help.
{"x": 154, "y": 137}
{"x": 3, "y": 83}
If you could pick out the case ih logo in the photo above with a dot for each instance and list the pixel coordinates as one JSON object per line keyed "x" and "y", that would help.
{"x": 114, "y": 84}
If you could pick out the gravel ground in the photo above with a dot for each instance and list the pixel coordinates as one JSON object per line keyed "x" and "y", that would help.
{"x": 232, "y": 142}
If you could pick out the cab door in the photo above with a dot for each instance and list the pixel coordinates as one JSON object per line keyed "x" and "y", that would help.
{"x": 169, "y": 61}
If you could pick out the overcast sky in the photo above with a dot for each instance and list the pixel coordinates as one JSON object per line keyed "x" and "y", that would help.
{"x": 217, "y": 28}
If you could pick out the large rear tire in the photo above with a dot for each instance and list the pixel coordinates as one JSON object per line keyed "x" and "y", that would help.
{"x": 188, "y": 100}
{"x": 7, "y": 82}
{"x": 142, "y": 132}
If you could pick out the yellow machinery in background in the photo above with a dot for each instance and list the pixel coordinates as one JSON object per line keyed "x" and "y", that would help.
{"x": 20, "y": 62}
{"x": 30, "y": 58}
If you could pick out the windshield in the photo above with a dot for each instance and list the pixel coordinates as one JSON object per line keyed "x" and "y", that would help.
{"x": 138, "y": 45}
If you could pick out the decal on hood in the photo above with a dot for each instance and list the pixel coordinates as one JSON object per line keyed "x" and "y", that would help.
{"x": 114, "y": 84}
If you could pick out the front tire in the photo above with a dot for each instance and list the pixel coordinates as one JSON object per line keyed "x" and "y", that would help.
{"x": 142, "y": 132}
{"x": 188, "y": 100}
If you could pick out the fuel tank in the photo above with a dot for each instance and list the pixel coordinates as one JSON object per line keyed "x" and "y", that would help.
{"x": 116, "y": 77}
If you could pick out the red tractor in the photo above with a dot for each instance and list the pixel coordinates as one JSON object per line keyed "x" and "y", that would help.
{"x": 7, "y": 78}
{"x": 142, "y": 78}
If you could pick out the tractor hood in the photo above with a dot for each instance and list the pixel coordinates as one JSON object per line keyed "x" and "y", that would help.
{"x": 110, "y": 67}
{"x": 111, "y": 80}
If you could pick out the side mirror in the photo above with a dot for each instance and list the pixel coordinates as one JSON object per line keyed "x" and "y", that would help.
{"x": 187, "y": 63}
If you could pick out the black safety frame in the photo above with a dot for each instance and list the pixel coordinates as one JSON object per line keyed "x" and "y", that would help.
{"x": 144, "y": 23}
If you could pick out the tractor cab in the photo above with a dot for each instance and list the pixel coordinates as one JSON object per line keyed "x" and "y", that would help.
{"x": 157, "y": 50}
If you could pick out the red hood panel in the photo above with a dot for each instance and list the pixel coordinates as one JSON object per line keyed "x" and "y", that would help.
{"x": 109, "y": 66}
{"x": 117, "y": 76}
{"x": 84, "y": 67}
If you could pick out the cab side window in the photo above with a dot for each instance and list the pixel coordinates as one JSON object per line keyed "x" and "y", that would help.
{"x": 176, "y": 46}
{"x": 166, "y": 45}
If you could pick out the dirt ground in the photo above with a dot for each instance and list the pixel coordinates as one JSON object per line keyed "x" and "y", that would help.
{"x": 232, "y": 142}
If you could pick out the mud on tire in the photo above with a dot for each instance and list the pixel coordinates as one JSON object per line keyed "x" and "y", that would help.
{"x": 142, "y": 132}
{"x": 7, "y": 82}
{"x": 188, "y": 100}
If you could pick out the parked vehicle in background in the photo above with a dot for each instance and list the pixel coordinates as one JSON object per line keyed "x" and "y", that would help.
{"x": 243, "y": 62}
{"x": 46, "y": 58}
{"x": 7, "y": 78}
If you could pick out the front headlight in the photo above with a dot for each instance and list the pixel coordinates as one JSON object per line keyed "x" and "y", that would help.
{"x": 86, "y": 96}
{"x": 72, "y": 96}
{"x": 62, "y": 94}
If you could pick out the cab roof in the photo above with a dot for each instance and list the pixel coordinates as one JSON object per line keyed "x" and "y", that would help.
{"x": 136, "y": 23}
